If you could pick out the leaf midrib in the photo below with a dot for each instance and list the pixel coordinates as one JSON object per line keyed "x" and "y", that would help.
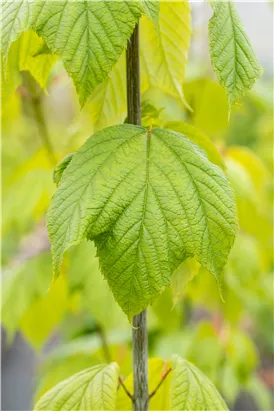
{"x": 148, "y": 141}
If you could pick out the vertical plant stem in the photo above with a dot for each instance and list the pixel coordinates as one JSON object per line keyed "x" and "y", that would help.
{"x": 140, "y": 361}
{"x": 139, "y": 333}
{"x": 133, "y": 79}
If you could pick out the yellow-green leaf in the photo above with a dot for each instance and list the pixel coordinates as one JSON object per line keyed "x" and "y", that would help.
{"x": 160, "y": 401}
{"x": 92, "y": 389}
{"x": 192, "y": 390}
{"x": 198, "y": 137}
{"x": 164, "y": 54}
{"x": 232, "y": 56}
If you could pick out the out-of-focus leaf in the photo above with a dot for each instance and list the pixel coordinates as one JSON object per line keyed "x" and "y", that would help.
{"x": 260, "y": 393}
{"x": 210, "y": 106}
{"x": 248, "y": 202}
{"x": 31, "y": 185}
{"x": 241, "y": 354}
{"x": 252, "y": 164}
{"x": 229, "y": 383}
{"x": 94, "y": 389}
{"x": 181, "y": 276}
{"x": 168, "y": 316}
{"x": 45, "y": 314}
{"x": 21, "y": 287}
{"x": 95, "y": 294}
{"x": 78, "y": 354}
{"x": 206, "y": 350}
{"x": 39, "y": 65}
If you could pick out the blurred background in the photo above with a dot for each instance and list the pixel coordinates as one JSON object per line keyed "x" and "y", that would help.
{"x": 50, "y": 331}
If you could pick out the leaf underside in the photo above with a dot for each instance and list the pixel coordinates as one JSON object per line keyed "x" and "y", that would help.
{"x": 92, "y": 389}
{"x": 232, "y": 56}
{"x": 89, "y": 36}
{"x": 163, "y": 55}
{"x": 192, "y": 390}
{"x": 149, "y": 201}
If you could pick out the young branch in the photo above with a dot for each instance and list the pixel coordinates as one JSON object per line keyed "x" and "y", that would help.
{"x": 125, "y": 388}
{"x": 160, "y": 383}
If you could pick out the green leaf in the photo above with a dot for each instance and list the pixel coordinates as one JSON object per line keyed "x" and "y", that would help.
{"x": 192, "y": 390}
{"x": 149, "y": 200}
{"x": 152, "y": 9}
{"x": 60, "y": 168}
{"x": 79, "y": 354}
{"x": 98, "y": 301}
{"x": 198, "y": 137}
{"x": 24, "y": 54}
{"x": 46, "y": 313}
{"x": 108, "y": 102}
{"x": 88, "y": 36}
{"x": 164, "y": 54}
{"x": 232, "y": 56}
{"x": 92, "y": 389}
{"x": 210, "y": 106}
{"x": 23, "y": 286}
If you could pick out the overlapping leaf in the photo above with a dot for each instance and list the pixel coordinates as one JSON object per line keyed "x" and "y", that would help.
{"x": 232, "y": 56}
{"x": 92, "y": 389}
{"x": 89, "y": 36}
{"x": 164, "y": 54}
{"x": 192, "y": 390}
{"x": 149, "y": 200}
{"x": 108, "y": 102}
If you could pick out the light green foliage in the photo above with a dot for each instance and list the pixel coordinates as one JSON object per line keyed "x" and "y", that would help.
{"x": 200, "y": 346}
{"x": 18, "y": 189}
{"x": 107, "y": 104}
{"x": 23, "y": 286}
{"x": 192, "y": 390}
{"x": 210, "y": 106}
{"x": 151, "y": 9}
{"x": 88, "y": 36}
{"x": 46, "y": 313}
{"x": 164, "y": 54}
{"x": 232, "y": 56}
{"x": 22, "y": 56}
{"x": 95, "y": 295}
{"x": 81, "y": 353}
{"x": 149, "y": 214}
{"x": 27, "y": 54}
{"x": 60, "y": 168}
{"x": 92, "y": 389}
{"x": 162, "y": 63}
{"x": 199, "y": 138}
